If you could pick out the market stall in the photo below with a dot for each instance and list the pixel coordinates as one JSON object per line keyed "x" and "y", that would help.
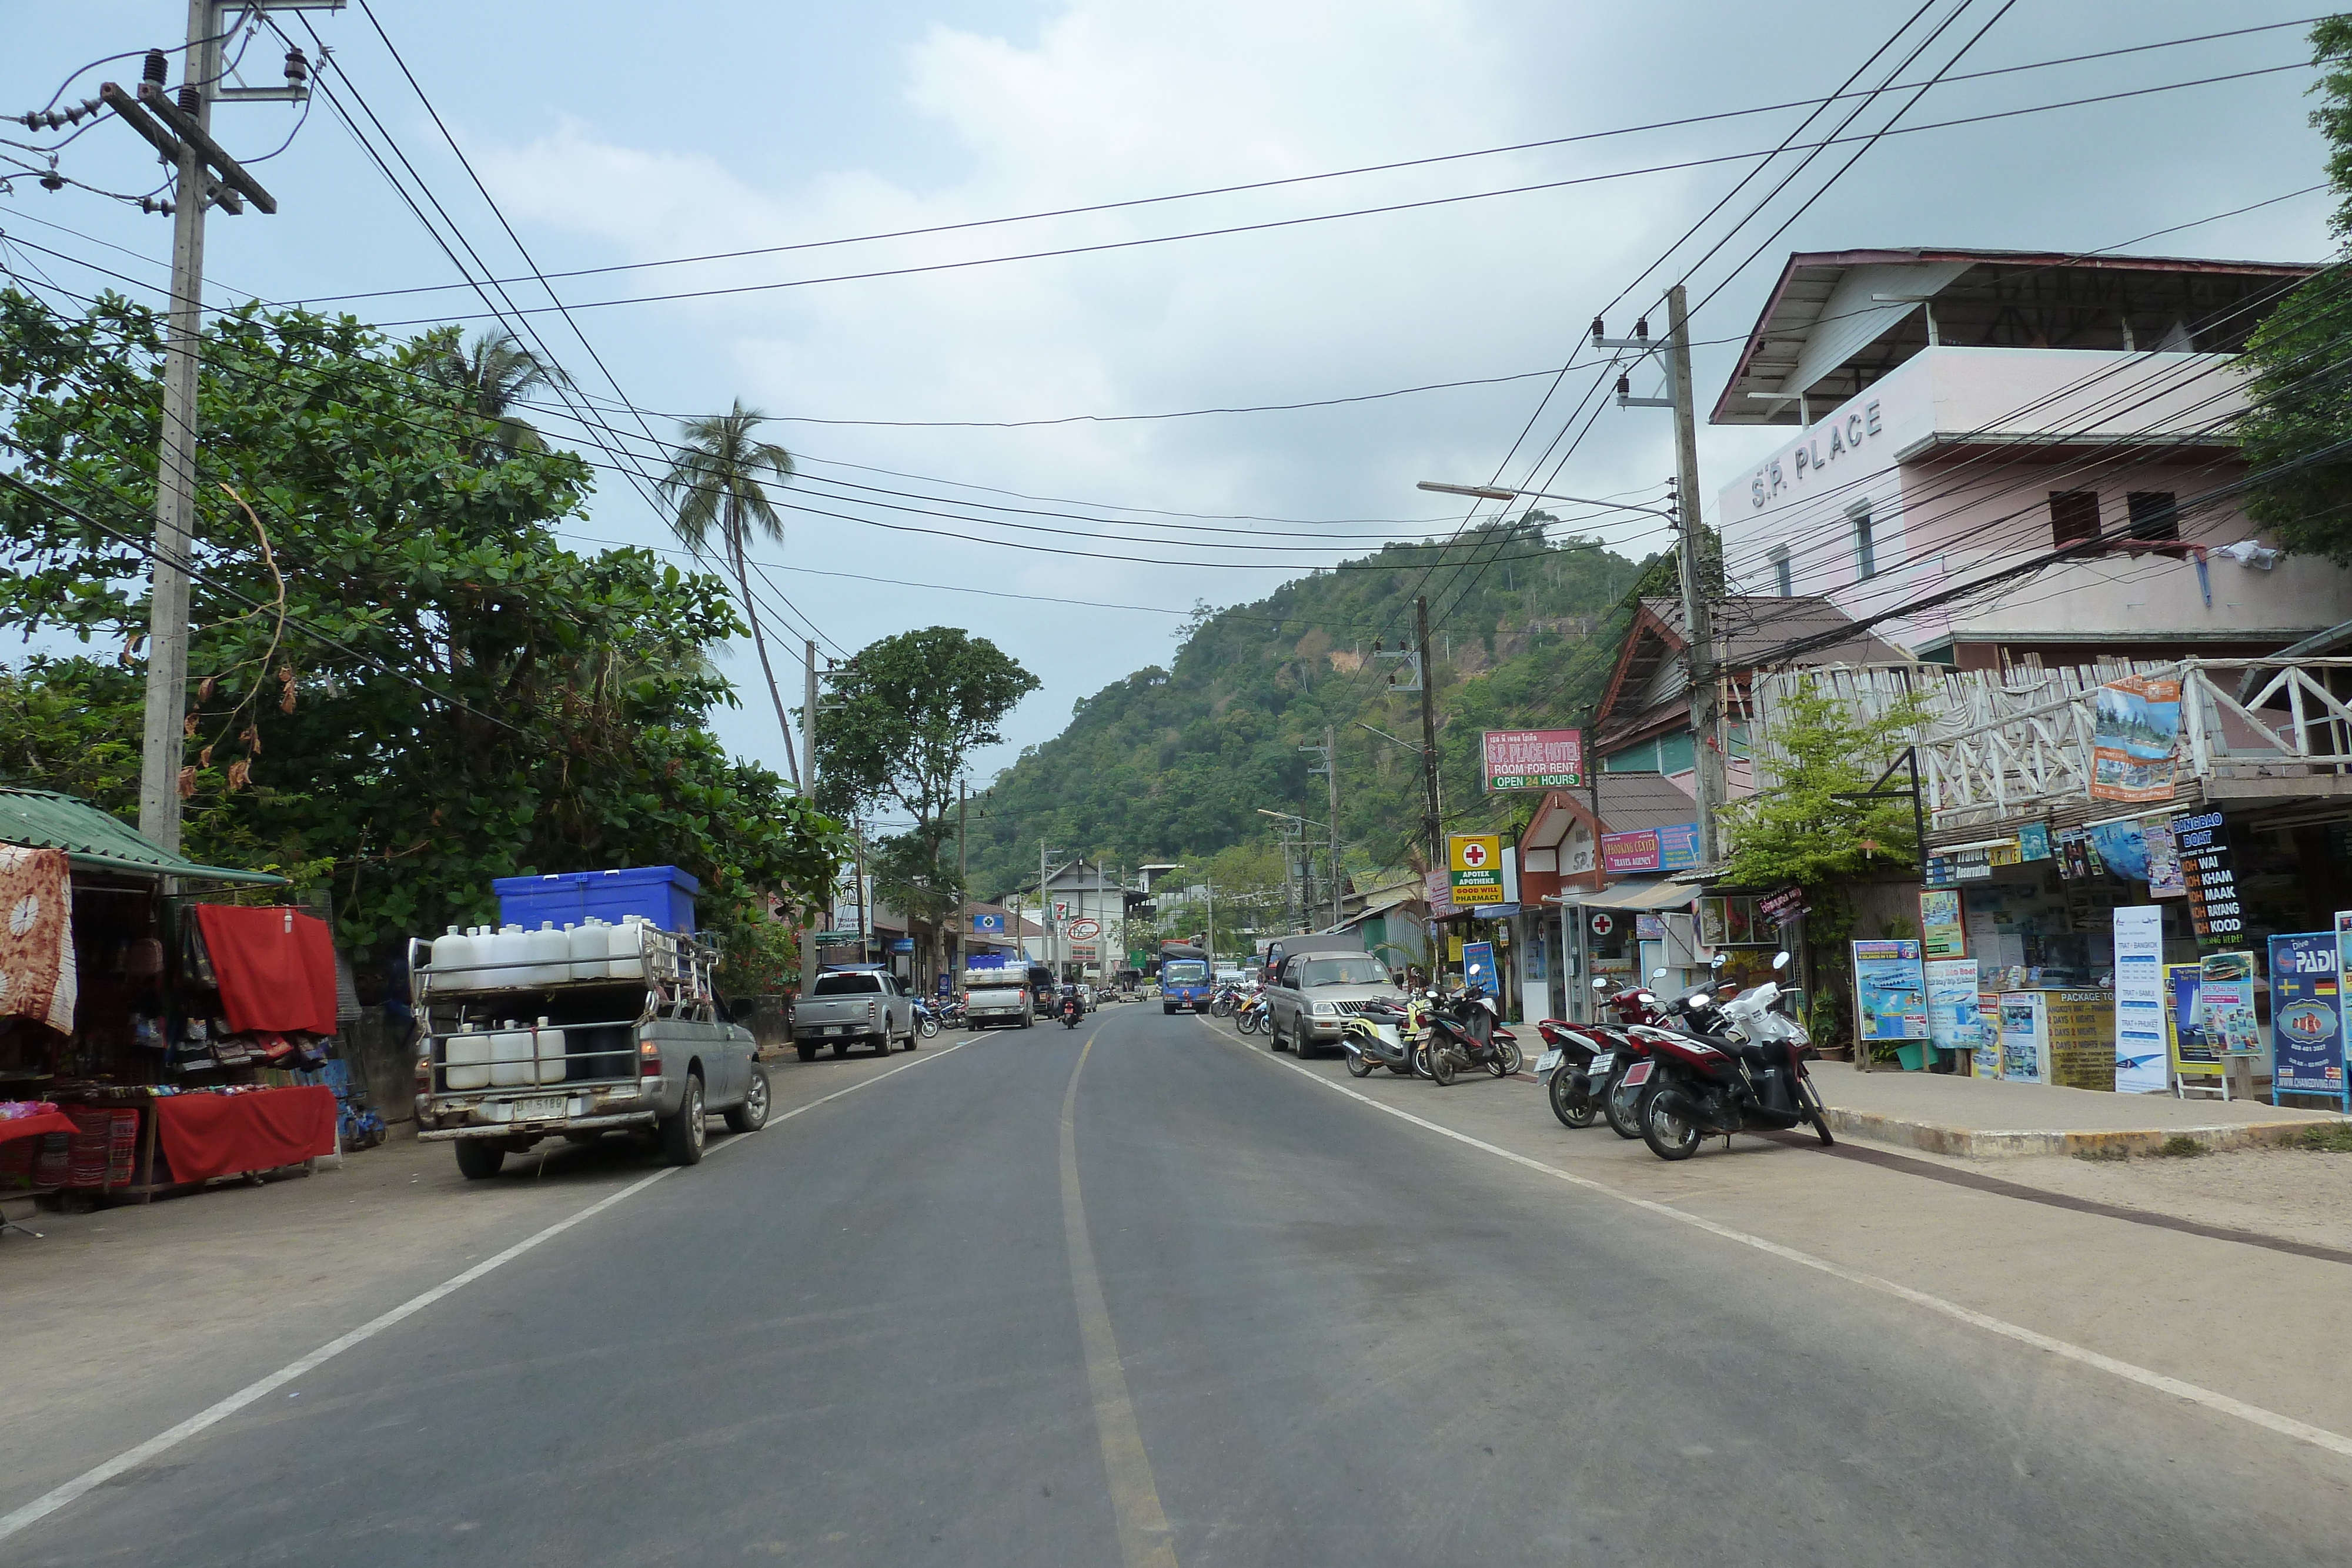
{"x": 148, "y": 1039}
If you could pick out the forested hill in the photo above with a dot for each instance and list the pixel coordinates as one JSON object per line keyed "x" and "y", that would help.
{"x": 1175, "y": 762}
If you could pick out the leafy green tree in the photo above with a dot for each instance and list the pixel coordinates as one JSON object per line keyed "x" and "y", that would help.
{"x": 714, "y": 483}
{"x": 907, "y": 711}
{"x": 402, "y": 682}
{"x": 2298, "y": 434}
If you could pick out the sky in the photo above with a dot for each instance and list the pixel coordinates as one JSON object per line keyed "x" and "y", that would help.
{"x": 609, "y": 137}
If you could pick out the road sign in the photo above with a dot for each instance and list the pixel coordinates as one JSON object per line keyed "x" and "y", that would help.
{"x": 1477, "y": 861}
{"x": 1532, "y": 760}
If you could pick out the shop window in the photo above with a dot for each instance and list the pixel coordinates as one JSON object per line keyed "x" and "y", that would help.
{"x": 1677, "y": 753}
{"x": 1866, "y": 549}
{"x": 1735, "y": 741}
{"x": 2155, "y": 515}
{"x": 1641, "y": 758}
{"x": 2073, "y": 517}
{"x": 1783, "y": 577}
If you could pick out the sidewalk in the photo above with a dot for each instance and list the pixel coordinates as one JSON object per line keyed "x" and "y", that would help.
{"x": 1975, "y": 1116}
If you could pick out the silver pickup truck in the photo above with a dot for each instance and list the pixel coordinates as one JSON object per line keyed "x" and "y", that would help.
{"x": 510, "y": 1054}
{"x": 998, "y": 996}
{"x": 868, "y": 1005}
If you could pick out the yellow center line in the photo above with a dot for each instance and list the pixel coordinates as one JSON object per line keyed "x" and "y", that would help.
{"x": 1145, "y": 1540}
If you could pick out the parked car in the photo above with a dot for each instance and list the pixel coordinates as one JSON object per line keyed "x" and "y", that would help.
{"x": 1323, "y": 982}
{"x": 862, "y": 1005}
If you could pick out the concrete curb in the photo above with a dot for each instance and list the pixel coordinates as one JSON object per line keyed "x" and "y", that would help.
{"x": 1936, "y": 1138}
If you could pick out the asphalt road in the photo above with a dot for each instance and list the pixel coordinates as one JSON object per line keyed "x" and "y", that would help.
{"x": 1191, "y": 1308}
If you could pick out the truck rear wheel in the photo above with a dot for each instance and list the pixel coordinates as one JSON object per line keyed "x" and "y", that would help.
{"x": 682, "y": 1135}
{"x": 807, "y": 1052}
{"x": 479, "y": 1159}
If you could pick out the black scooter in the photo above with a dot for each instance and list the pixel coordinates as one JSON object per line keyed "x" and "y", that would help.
{"x": 1070, "y": 1012}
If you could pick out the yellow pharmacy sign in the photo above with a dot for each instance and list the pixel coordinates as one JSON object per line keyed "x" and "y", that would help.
{"x": 1477, "y": 860}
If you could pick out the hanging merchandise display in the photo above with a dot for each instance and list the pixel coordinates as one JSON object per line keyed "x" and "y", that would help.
{"x": 37, "y": 978}
{"x": 2141, "y": 1054}
{"x": 2307, "y": 1018}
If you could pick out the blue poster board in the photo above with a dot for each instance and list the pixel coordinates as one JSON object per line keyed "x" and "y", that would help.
{"x": 1478, "y": 966}
{"x": 2307, "y": 1018}
{"x": 1890, "y": 991}
{"x": 943, "y": 986}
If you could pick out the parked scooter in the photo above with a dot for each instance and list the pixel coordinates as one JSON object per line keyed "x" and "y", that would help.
{"x": 1249, "y": 1013}
{"x": 1464, "y": 1034}
{"x": 927, "y": 1018}
{"x": 1222, "y": 1004}
{"x": 1386, "y": 1034}
{"x": 1745, "y": 1073}
{"x": 1576, "y": 1068}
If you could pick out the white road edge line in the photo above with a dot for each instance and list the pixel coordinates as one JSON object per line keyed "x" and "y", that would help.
{"x": 2255, "y": 1415}
{"x": 41, "y": 1507}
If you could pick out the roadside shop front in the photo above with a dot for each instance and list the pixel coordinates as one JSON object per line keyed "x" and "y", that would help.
{"x": 178, "y": 1041}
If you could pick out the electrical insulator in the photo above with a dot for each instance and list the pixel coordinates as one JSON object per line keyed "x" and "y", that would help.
{"x": 1596, "y": 329}
{"x": 192, "y": 100}
{"x": 1641, "y": 328}
{"x": 155, "y": 67}
{"x": 53, "y": 181}
{"x": 1624, "y": 386}
{"x": 298, "y": 69}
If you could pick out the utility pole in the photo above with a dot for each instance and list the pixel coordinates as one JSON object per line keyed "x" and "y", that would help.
{"x": 963, "y": 913}
{"x": 183, "y": 140}
{"x": 1707, "y": 780}
{"x": 857, "y": 842}
{"x": 808, "y": 776}
{"x": 1435, "y": 823}
{"x": 1331, "y": 777}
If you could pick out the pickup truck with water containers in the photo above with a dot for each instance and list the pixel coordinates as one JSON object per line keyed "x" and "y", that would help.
{"x": 589, "y": 1009}
{"x": 855, "y": 1004}
{"x": 1002, "y": 993}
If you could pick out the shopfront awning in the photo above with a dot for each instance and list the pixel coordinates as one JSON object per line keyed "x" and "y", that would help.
{"x": 1637, "y": 896}
{"x": 95, "y": 841}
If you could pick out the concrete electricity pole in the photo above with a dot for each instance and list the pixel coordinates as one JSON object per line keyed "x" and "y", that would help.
{"x": 206, "y": 174}
{"x": 1707, "y": 778}
{"x": 963, "y": 911}
{"x": 1331, "y": 777}
{"x": 808, "y": 774}
{"x": 1435, "y": 823}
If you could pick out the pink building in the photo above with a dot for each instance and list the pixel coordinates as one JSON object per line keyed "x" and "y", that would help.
{"x": 1958, "y": 418}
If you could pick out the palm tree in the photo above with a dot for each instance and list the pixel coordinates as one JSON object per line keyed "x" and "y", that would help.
{"x": 495, "y": 373}
{"x": 713, "y": 486}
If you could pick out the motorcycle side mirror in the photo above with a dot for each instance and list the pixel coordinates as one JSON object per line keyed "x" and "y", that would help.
{"x": 1600, "y": 985}
{"x": 1780, "y": 960}
{"x": 1718, "y": 961}
{"x": 1657, "y": 974}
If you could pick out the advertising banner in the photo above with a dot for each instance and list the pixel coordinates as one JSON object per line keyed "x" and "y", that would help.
{"x": 2212, "y": 881}
{"x": 2225, "y": 989}
{"x": 1890, "y": 991}
{"x": 1940, "y": 933}
{"x": 2141, "y": 1054}
{"x": 987, "y": 924}
{"x": 2307, "y": 1016}
{"x": 1629, "y": 854}
{"x": 1532, "y": 760}
{"x": 2135, "y": 722}
{"x": 1437, "y": 887}
{"x": 2024, "y": 1051}
{"x": 2191, "y": 1055}
{"x": 1477, "y": 867}
{"x": 1953, "y": 1021}
{"x": 1478, "y": 966}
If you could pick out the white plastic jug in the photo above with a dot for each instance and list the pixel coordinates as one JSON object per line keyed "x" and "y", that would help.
{"x": 466, "y": 1058}
{"x": 590, "y": 948}
{"x": 627, "y": 948}
{"x": 512, "y": 1059}
{"x": 550, "y": 952}
{"x": 500, "y": 950}
{"x": 452, "y": 950}
{"x": 550, "y": 1053}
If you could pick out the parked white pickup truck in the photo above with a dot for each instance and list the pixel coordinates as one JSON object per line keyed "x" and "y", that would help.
{"x": 868, "y": 1005}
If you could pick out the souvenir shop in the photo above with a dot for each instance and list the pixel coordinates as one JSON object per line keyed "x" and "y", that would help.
{"x": 154, "y": 1036}
{"x": 2187, "y": 947}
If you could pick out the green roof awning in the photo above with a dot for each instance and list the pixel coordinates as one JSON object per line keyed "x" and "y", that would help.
{"x": 42, "y": 819}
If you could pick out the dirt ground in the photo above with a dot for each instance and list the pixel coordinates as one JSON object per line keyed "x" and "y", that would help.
{"x": 2299, "y": 1195}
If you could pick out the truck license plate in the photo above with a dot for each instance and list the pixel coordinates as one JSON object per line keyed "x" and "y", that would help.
{"x": 545, "y": 1109}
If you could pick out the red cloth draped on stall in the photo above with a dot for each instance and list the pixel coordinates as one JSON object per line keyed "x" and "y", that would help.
{"x": 208, "y": 1136}
{"x": 38, "y": 1125}
{"x": 276, "y": 968}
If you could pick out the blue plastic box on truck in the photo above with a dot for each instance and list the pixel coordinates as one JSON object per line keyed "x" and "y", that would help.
{"x": 661, "y": 893}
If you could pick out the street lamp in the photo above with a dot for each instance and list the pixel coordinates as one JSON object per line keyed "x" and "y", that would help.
{"x": 1496, "y": 493}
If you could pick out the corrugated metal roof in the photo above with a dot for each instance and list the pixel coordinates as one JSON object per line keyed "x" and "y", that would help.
{"x": 39, "y": 819}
